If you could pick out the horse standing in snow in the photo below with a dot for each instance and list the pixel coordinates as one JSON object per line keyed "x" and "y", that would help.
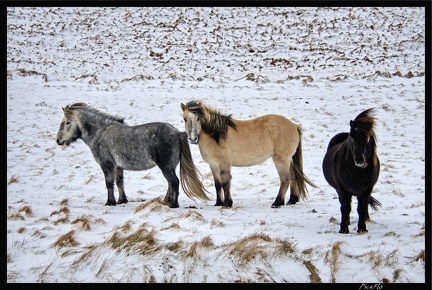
{"x": 117, "y": 146}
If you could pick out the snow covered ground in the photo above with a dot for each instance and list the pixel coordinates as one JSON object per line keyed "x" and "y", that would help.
{"x": 317, "y": 66}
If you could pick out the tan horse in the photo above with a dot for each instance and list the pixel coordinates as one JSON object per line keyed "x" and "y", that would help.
{"x": 225, "y": 142}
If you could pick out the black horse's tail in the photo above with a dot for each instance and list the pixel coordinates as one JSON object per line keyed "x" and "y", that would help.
{"x": 296, "y": 169}
{"x": 189, "y": 174}
{"x": 373, "y": 203}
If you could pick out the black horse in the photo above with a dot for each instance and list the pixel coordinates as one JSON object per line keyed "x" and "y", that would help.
{"x": 351, "y": 166}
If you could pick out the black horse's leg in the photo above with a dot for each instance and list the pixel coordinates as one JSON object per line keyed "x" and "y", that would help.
{"x": 120, "y": 185}
{"x": 345, "y": 201}
{"x": 218, "y": 185}
{"x": 283, "y": 169}
{"x": 108, "y": 170}
{"x": 363, "y": 214}
{"x": 172, "y": 194}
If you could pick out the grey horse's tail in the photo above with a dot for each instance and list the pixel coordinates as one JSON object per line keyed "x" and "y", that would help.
{"x": 189, "y": 174}
{"x": 296, "y": 169}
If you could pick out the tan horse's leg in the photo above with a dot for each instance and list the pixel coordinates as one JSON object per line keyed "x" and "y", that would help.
{"x": 225, "y": 174}
{"x": 283, "y": 168}
{"x": 218, "y": 185}
{"x": 222, "y": 179}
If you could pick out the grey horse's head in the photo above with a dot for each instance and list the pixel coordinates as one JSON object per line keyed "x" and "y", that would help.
{"x": 69, "y": 130}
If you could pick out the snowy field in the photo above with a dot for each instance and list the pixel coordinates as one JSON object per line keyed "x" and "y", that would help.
{"x": 319, "y": 67}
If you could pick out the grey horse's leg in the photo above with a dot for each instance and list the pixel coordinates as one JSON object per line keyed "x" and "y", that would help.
{"x": 173, "y": 187}
{"x": 108, "y": 170}
{"x": 120, "y": 185}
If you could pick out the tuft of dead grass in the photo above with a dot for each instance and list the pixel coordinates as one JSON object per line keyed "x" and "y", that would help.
{"x": 155, "y": 204}
{"x": 26, "y": 209}
{"x": 332, "y": 257}
{"x": 250, "y": 247}
{"x": 420, "y": 256}
{"x": 66, "y": 240}
{"x": 194, "y": 215}
{"x": 205, "y": 242}
{"x": 13, "y": 179}
{"x": 314, "y": 276}
{"x": 84, "y": 222}
{"x": 142, "y": 240}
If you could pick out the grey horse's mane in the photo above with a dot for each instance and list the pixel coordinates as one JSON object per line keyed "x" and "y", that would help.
{"x": 70, "y": 111}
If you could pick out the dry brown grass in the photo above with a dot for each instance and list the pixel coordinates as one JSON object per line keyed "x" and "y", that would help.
{"x": 142, "y": 240}
{"x": 396, "y": 274}
{"x": 375, "y": 258}
{"x": 84, "y": 222}
{"x": 314, "y": 276}
{"x": 66, "y": 240}
{"x": 216, "y": 223}
{"x": 63, "y": 210}
{"x": 332, "y": 257}
{"x": 174, "y": 226}
{"x": 13, "y": 179}
{"x": 205, "y": 242}
{"x": 420, "y": 257}
{"x": 194, "y": 215}
{"x": 249, "y": 248}
{"x": 176, "y": 246}
{"x": 155, "y": 204}
{"x": 26, "y": 209}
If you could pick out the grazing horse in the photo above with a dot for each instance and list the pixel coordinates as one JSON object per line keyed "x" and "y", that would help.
{"x": 351, "y": 166}
{"x": 225, "y": 142}
{"x": 117, "y": 146}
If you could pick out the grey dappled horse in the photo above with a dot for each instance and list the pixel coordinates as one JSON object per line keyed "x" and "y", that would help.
{"x": 117, "y": 146}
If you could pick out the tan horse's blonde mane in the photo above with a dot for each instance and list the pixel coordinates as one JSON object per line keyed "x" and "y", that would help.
{"x": 212, "y": 121}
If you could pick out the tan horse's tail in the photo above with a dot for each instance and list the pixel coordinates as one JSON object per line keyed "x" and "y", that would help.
{"x": 297, "y": 170}
{"x": 189, "y": 174}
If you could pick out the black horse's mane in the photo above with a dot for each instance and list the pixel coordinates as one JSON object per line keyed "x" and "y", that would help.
{"x": 363, "y": 126}
{"x": 212, "y": 121}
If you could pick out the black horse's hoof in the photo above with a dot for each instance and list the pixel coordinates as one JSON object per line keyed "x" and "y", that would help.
{"x": 274, "y": 205}
{"x": 111, "y": 202}
{"x": 173, "y": 205}
{"x": 228, "y": 204}
{"x": 362, "y": 231}
{"x": 218, "y": 204}
{"x": 343, "y": 231}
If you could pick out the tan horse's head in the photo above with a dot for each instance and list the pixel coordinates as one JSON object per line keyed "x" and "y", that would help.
{"x": 192, "y": 114}
{"x": 201, "y": 118}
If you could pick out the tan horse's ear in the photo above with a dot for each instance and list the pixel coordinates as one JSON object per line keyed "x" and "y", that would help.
{"x": 183, "y": 106}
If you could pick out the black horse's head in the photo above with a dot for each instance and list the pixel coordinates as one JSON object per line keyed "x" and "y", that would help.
{"x": 363, "y": 137}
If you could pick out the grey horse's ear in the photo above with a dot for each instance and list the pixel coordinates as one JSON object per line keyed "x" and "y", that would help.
{"x": 63, "y": 109}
